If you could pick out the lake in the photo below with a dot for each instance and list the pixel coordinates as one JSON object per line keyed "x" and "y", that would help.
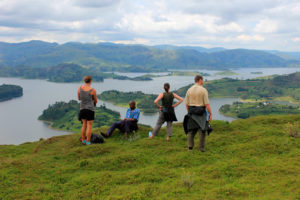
{"x": 18, "y": 117}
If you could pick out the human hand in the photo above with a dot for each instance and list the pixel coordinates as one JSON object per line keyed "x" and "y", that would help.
{"x": 210, "y": 117}
{"x": 160, "y": 107}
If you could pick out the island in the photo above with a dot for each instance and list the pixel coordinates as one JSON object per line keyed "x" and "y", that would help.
{"x": 245, "y": 110}
{"x": 64, "y": 116}
{"x": 8, "y": 92}
{"x": 281, "y": 88}
{"x": 226, "y": 73}
{"x": 63, "y": 73}
{"x": 256, "y": 72}
{"x": 145, "y": 102}
{"x": 187, "y": 73}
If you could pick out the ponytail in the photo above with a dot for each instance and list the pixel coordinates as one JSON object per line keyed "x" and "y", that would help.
{"x": 167, "y": 87}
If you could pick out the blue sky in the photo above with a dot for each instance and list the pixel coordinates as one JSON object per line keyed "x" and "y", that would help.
{"x": 253, "y": 24}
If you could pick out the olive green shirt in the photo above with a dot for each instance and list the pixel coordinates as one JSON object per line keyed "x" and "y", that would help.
{"x": 196, "y": 95}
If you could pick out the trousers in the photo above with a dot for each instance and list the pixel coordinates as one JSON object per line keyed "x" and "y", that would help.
{"x": 124, "y": 126}
{"x": 191, "y": 136}
{"x": 160, "y": 122}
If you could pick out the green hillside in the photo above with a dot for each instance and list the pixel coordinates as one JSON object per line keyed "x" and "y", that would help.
{"x": 246, "y": 159}
{"x": 137, "y": 58}
{"x": 64, "y": 116}
{"x": 145, "y": 102}
{"x": 245, "y": 110}
{"x": 284, "y": 87}
{"x": 66, "y": 72}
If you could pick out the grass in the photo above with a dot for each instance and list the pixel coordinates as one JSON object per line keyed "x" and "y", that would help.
{"x": 254, "y": 158}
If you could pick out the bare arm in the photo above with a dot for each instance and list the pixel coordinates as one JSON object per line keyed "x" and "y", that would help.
{"x": 159, "y": 97}
{"x": 78, "y": 93}
{"x": 95, "y": 96}
{"x": 209, "y": 110}
{"x": 179, "y": 100}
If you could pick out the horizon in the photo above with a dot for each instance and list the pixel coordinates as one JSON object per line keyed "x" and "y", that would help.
{"x": 259, "y": 25}
{"x": 150, "y": 45}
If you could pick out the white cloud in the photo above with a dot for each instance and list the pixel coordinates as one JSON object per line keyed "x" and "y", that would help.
{"x": 250, "y": 38}
{"x": 266, "y": 26}
{"x": 248, "y": 23}
{"x": 296, "y": 39}
{"x": 145, "y": 23}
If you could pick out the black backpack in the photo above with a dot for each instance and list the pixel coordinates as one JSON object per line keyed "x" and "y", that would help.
{"x": 95, "y": 139}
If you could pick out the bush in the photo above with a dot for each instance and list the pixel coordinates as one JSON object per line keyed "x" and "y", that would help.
{"x": 293, "y": 130}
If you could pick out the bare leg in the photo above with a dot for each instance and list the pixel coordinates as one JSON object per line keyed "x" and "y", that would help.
{"x": 83, "y": 129}
{"x": 89, "y": 131}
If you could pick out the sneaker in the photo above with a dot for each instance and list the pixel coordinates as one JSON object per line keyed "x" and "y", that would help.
{"x": 84, "y": 142}
{"x": 104, "y": 135}
{"x": 88, "y": 143}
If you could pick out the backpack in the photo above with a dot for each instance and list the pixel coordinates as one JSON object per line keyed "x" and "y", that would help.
{"x": 95, "y": 139}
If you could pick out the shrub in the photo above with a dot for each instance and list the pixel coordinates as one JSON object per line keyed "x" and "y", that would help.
{"x": 293, "y": 130}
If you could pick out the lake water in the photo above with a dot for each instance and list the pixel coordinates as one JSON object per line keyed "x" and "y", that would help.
{"x": 18, "y": 117}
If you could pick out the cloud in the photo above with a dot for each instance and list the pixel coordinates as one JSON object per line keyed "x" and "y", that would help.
{"x": 250, "y": 38}
{"x": 297, "y": 39}
{"x": 260, "y": 24}
{"x": 266, "y": 26}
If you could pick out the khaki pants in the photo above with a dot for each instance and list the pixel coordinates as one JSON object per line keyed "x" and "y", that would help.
{"x": 160, "y": 122}
{"x": 191, "y": 136}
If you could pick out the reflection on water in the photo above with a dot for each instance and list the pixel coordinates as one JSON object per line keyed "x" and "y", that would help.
{"x": 18, "y": 117}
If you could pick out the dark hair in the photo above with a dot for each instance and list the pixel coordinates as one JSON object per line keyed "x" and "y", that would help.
{"x": 87, "y": 79}
{"x": 198, "y": 78}
{"x": 167, "y": 87}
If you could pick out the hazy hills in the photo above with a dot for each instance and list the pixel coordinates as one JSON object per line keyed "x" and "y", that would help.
{"x": 109, "y": 56}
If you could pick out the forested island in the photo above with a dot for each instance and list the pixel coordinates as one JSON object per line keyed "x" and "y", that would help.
{"x": 245, "y": 110}
{"x": 284, "y": 87}
{"x": 144, "y": 101}
{"x": 64, "y": 116}
{"x": 8, "y": 92}
{"x": 66, "y": 72}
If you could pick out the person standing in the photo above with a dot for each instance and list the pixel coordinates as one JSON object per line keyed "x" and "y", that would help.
{"x": 166, "y": 111}
{"x": 88, "y": 100}
{"x": 197, "y": 103}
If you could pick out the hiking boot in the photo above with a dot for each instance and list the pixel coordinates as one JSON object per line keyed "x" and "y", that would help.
{"x": 104, "y": 135}
{"x": 202, "y": 150}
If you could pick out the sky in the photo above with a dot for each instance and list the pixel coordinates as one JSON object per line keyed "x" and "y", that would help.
{"x": 252, "y": 24}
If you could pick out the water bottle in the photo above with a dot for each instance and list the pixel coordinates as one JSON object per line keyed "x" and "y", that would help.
{"x": 150, "y": 133}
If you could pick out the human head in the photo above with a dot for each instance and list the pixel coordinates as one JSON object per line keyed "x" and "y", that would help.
{"x": 87, "y": 79}
{"x": 199, "y": 79}
{"x": 132, "y": 104}
{"x": 167, "y": 87}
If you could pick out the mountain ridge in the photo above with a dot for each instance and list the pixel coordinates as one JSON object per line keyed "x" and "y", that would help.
{"x": 111, "y": 57}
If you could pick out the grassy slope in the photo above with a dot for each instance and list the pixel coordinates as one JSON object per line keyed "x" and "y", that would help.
{"x": 247, "y": 159}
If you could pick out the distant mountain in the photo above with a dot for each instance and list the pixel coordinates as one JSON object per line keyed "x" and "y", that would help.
{"x": 197, "y": 48}
{"x": 120, "y": 57}
{"x": 286, "y": 55}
